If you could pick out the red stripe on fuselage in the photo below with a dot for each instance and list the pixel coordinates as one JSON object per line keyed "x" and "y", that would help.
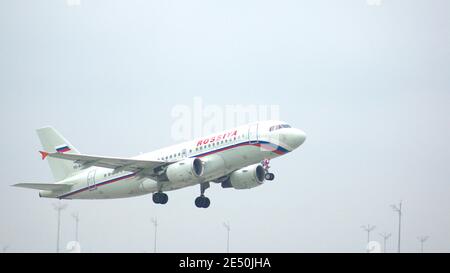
{"x": 98, "y": 185}
{"x": 266, "y": 146}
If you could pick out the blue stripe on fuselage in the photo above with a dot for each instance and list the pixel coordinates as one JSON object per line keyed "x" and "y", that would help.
{"x": 277, "y": 149}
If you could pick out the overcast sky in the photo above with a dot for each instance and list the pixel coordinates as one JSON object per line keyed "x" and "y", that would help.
{"x": 369, "y": 84}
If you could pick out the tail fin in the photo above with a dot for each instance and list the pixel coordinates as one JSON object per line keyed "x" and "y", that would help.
{"x": 52, "y": 141}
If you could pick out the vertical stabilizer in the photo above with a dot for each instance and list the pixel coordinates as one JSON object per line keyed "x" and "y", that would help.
{"x": 52, "y": 141}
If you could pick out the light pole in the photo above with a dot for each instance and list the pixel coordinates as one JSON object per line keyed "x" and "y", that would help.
{"x": 368, "y": 229}
{"x": 398, "y": 209}
{"x": 155, "y": 224}
{"x": 422, "y": 240}
{"x": 385, "y": 237}
{"x": 228, "y": 228}
{"x": 5, "y": 248}
{"x": 58, "y": 207}
{"x": 77, "y": 219}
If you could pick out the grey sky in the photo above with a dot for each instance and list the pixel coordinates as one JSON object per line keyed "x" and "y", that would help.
{"x": 369, "y": 85}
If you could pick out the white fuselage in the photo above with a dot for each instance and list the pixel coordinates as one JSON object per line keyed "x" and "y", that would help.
{"x": 235, "y": 148}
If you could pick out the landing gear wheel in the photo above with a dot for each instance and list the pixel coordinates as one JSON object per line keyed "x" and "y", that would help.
{"x": 269, "y": 176}
{"x": 155, "y": 198}
{"x": 206, "y": 203}
{"x": 160, "y": 198}
{"x": 164, "y": 198}
{"x": 198, "y": 202}
{"x": 202, "y": 202}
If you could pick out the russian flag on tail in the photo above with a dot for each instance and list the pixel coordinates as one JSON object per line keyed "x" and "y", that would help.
{"x": 62, "y": 149}
{"x": 59, "y": 149}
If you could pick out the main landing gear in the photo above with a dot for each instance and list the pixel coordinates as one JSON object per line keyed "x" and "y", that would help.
{"x": 202, "y": 201}
{"x": 268, "y": 176}
{"x": 160, "y": 198}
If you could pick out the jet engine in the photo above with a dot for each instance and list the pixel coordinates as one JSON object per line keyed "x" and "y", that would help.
{"x": 245, "y": 178}
{"x": 188, "y": 170}
{"x": 214, "y": 166}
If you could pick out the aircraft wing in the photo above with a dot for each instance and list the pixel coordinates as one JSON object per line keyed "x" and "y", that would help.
{"x": 125, "y": 164}
{"x": 44, "y": 186}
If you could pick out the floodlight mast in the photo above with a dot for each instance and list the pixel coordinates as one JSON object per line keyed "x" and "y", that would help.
{"x": 385, "y": 237}
{"x": 398, "y": 209}
{"x": 368, "y": 229}
{"x": 76, "y": 216}
{"x": 155, "y": 224}
{"x": 228, "y": 228}
{"x": 422, "y": 240}
{"x": 59, "y": 207}
{"x": 5, "y": 248}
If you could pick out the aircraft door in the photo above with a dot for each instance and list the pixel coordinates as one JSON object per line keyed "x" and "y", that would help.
{"x": 253, "y": 133}
{"x": 91, "y": 180}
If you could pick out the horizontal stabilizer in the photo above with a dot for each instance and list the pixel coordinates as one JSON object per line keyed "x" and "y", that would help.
{"x": 44, "y": 186}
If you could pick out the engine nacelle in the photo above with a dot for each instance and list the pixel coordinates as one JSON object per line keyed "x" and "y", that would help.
{"x": 188, "y": 170}
{"x": 246, "y": 178}
{"x": 214, "y": 167}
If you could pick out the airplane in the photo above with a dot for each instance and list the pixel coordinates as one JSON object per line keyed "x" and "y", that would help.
{"x": 237, "y": 158}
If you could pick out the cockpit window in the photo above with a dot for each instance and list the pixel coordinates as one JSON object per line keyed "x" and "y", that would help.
{"x": 277, "y": 127}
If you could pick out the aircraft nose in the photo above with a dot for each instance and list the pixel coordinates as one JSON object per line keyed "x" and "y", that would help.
{"x": 294, "y": 137}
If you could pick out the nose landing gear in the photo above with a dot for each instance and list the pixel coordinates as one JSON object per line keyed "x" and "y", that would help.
{"x": 268, "y": 176}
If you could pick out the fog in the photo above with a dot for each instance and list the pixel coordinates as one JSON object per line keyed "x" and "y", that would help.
{"x": 368, "y": 81}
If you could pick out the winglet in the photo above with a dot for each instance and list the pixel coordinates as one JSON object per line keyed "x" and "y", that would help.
{"x": 43, "y": 154}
